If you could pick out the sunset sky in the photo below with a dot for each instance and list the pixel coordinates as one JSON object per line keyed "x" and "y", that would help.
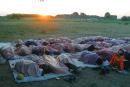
{"x": 54, "y": 7}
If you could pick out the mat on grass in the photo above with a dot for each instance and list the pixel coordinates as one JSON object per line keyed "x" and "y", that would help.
{"x": 83, "y": 65}
{"x": 32, "y": 78}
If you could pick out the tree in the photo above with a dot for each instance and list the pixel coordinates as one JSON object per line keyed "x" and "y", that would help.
{"x": 107, "y": 15}
{"x": 14, "y": 16}
{"x": 82, "y": 14}
{"x": 124, "y": 18}
{"x": 75, "y": 14}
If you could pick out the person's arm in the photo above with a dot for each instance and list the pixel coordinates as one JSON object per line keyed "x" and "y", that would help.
{"x": 121, "y": 62}
{"x": 112, "y": 59}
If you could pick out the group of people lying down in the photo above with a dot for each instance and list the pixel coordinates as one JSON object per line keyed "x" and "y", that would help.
{"x": 56, "y": 56}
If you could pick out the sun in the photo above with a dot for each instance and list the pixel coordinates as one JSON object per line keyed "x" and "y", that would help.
{"x": 45, "y": 18}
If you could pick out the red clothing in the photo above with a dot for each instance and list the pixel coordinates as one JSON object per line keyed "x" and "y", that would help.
{"x": 118, "y": 60}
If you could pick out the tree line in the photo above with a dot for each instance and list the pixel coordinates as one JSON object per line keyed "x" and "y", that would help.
{"x": 81, "y": 15}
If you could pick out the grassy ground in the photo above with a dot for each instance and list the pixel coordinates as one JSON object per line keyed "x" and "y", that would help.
{"x": 36, "y": 28}
{"x": 11, "y": 30}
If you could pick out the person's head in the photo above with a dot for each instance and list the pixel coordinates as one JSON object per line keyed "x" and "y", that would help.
{"x": 91, "y": 48}
{"x": 120, "y": 52}
{"x": 18, "y": 45}
{"x": 45, "y": 43}
{"x": 99, "y": 61}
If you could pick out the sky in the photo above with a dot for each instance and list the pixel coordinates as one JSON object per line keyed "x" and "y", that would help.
{"x": 54, "y": 7}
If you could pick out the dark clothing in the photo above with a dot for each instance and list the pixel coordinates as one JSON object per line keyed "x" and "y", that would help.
{"x": 91, "y": 48}
{"x": 28, "y": 43}
{"x": 46, "y": 68}
{"x": 73, "y": 68}
{"x": 127, "y": 63}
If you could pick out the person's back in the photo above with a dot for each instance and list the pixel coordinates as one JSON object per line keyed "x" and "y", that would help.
{"x": 118, "y": 60}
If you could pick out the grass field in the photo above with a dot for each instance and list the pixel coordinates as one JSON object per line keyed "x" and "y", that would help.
{"x": 36, "y": 28}
{"x": 11, "y": 30}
